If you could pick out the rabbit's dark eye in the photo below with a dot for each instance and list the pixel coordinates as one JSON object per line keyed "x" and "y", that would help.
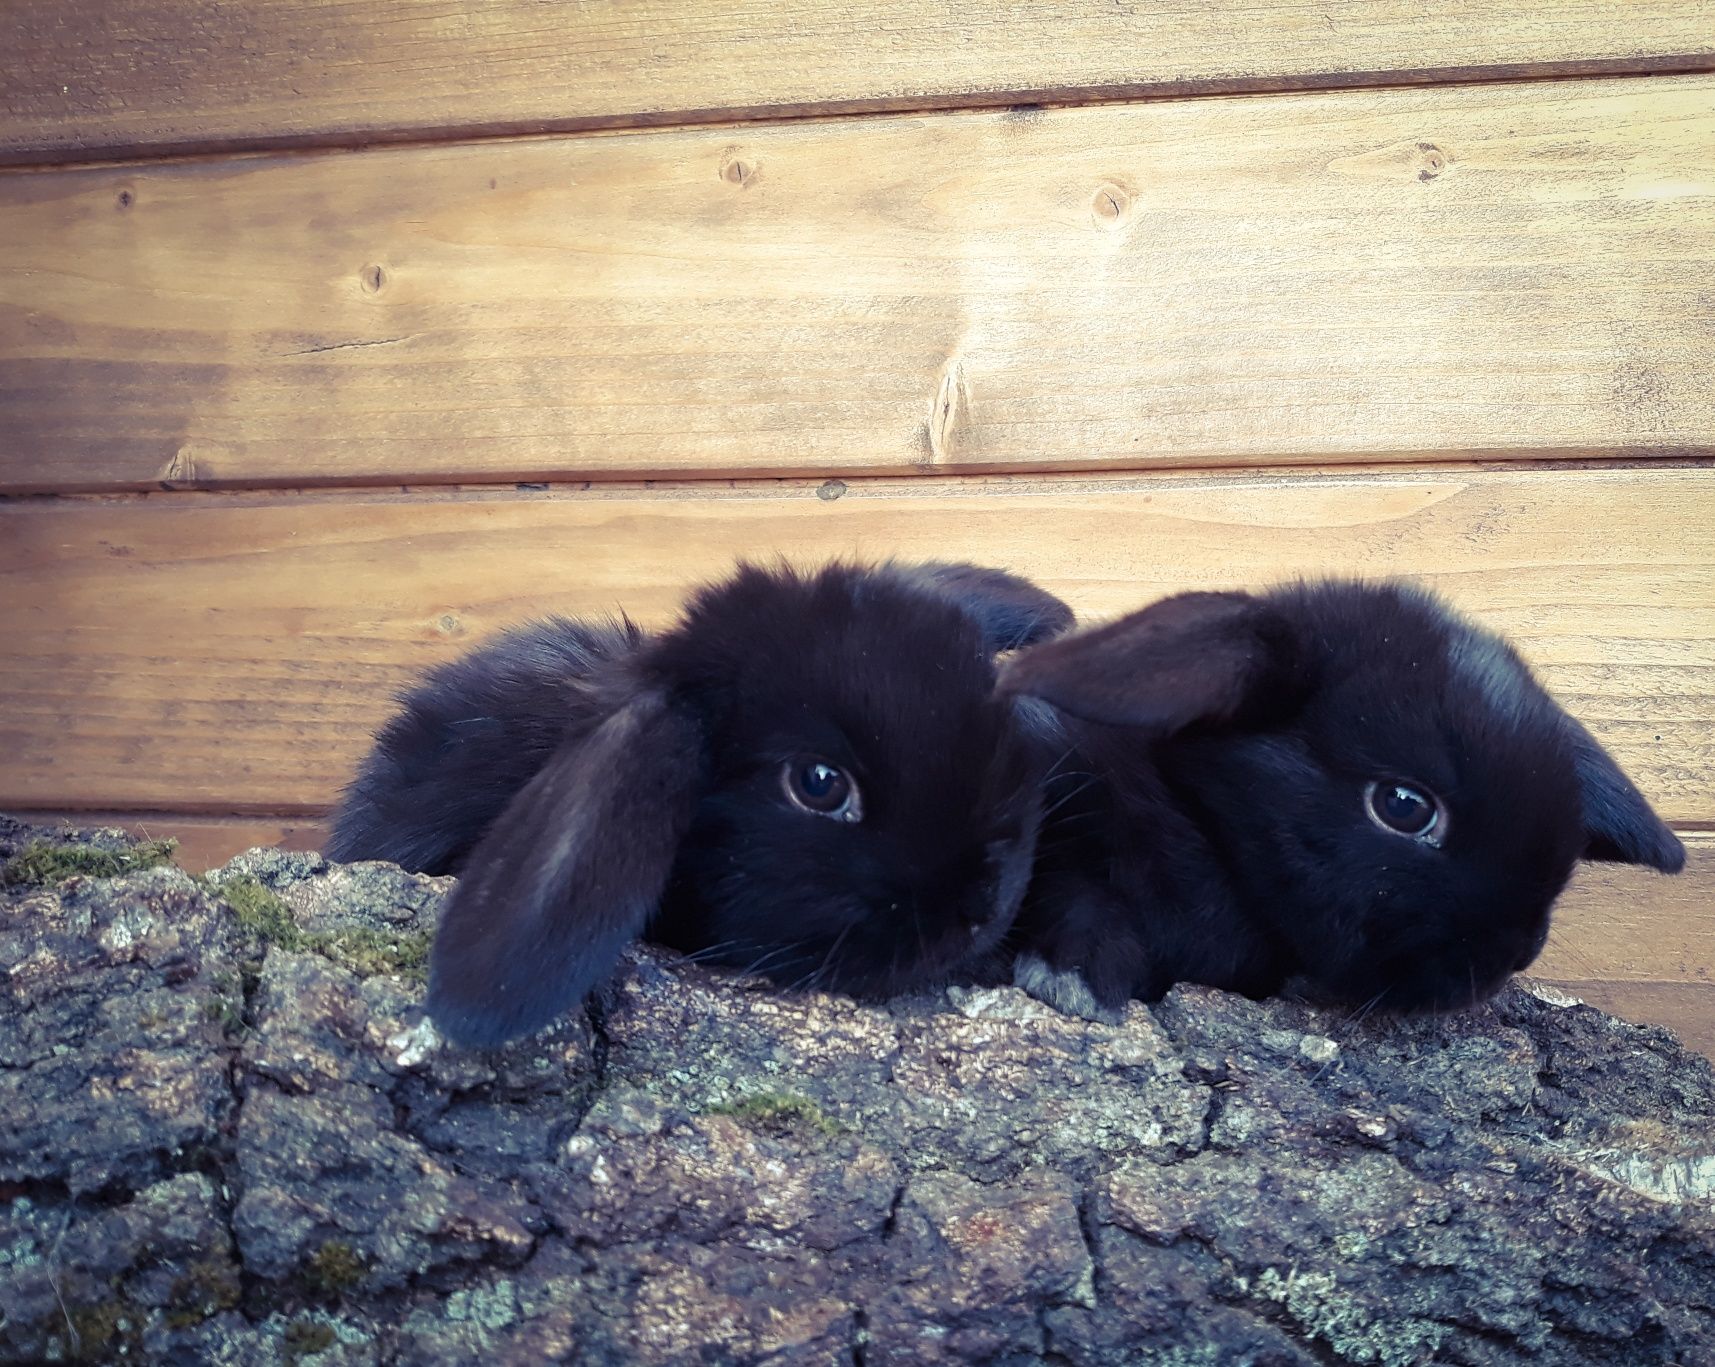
{"x": 822, "y": 789}
{"x": 1405, "y": 809}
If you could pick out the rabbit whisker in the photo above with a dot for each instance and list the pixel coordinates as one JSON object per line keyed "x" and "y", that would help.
{"x": 708, "y": 952}
{"x": 1064, "y": 798}
{"x": 833, "y": 950}
{"x": 808, "y": 980}
{"x": 1345, "y": 1029}
{"x": 1065, "y": 822}
{"x": 1054, "y": 768}
{"x": 772, "y": 958}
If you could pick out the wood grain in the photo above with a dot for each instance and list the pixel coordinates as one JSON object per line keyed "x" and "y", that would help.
{"x": 175, "y": 75}
{"x": 1641, "y": 946}
{"x": 224, "y": 653}
{"x": 1617, "y": 925}
{"x": 1483, "y": 271}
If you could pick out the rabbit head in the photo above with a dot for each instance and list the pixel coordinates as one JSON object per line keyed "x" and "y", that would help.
{"x": 1392, "y": 800}
{"x": 810, "y": 776}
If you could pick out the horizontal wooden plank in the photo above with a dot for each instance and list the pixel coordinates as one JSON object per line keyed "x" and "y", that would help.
{"x": 1371, "y": 275}
{"x": 174, "y": 75}
{"x": 1687, "y": 1009}
{"x": 1613, "y": 928}
{"x": 222, "y": 653}
{"x": 1616, "y": 925}
{"x": 1641, "y": 946}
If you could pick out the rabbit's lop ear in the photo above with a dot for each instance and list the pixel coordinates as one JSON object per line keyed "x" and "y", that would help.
{"x": 1619, "y": 825}
{"x": 1209, "y": 658}
{"x": 1011, "y": 611}
{"x": 566, "y": 877}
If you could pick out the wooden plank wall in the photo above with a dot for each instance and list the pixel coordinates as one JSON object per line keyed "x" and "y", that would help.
{"x": 336, "y": 333}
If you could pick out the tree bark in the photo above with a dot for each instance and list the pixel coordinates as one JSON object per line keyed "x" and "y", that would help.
{"x": 228, "y": 1136}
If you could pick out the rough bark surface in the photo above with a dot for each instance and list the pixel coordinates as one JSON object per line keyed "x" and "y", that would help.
{"x": 226, "y": 1136}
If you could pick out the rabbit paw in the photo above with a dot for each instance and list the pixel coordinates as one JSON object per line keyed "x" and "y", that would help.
{"x": 1062, "y": 988}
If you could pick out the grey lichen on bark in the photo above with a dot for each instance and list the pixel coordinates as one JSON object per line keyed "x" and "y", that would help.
{"x": 231, "y": 1138}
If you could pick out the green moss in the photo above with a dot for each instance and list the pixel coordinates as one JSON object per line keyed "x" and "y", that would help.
{"x": 305, "y": 1338}
{"x": 366, "y": 952}
{"x": 226, "y": 1012}
{"x": 99, "y": 1330}
{"x": 262, "y": 913}
{"x": 43, "y": 863}
{"x": 207, "y": 1287}
{"x": 335, "y": 1268}
{"x": 225, "y": 1004}
{"x": 778, "y": 1110}
{"x": 370, "y": 952}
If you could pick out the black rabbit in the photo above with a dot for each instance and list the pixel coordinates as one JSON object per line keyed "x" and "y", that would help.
{"x": 810, "y": 775}
{"x": 1339, "y": 784}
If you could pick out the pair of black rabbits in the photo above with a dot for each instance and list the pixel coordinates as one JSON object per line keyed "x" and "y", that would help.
{"x": 874, "y": 779}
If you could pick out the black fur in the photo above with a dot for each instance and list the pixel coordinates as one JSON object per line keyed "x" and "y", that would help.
{"x": 591, "y": 784}
{"x": 1212, "y": 828}
{"x": 568, "y": 875}
{"x": 1012, "y": 612}
{"x": 467, "y": 740}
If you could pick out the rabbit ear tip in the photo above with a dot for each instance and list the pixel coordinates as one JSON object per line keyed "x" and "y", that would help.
{"x": 1669, "y": 853}
{"x": 474, "y": 1025}
{"x": 474, "y": 1029}
{"x": 490, "y": 1008}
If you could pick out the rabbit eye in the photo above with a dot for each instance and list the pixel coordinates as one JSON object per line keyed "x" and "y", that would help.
{"x": 821, "y": 789}
{"x": 1404, "y": 809}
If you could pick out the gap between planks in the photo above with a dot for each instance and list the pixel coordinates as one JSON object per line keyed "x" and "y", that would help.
{"x": 292, "y": 72}
{"x": 736, "y": 120}
{"x": 960, "y": 483}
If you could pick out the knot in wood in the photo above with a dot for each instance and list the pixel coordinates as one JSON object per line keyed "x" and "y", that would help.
{"x": 736, "y": 170}
{"x": 1110, "y": 206}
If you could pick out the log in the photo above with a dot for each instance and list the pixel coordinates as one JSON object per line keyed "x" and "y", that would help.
{"x": 226, "y": 1135}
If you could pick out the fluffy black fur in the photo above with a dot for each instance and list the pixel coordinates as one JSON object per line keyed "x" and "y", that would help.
{"x": 1212, "y": 828}
{"x": 470, "y": 737}
{"x": 594, "y": 783}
